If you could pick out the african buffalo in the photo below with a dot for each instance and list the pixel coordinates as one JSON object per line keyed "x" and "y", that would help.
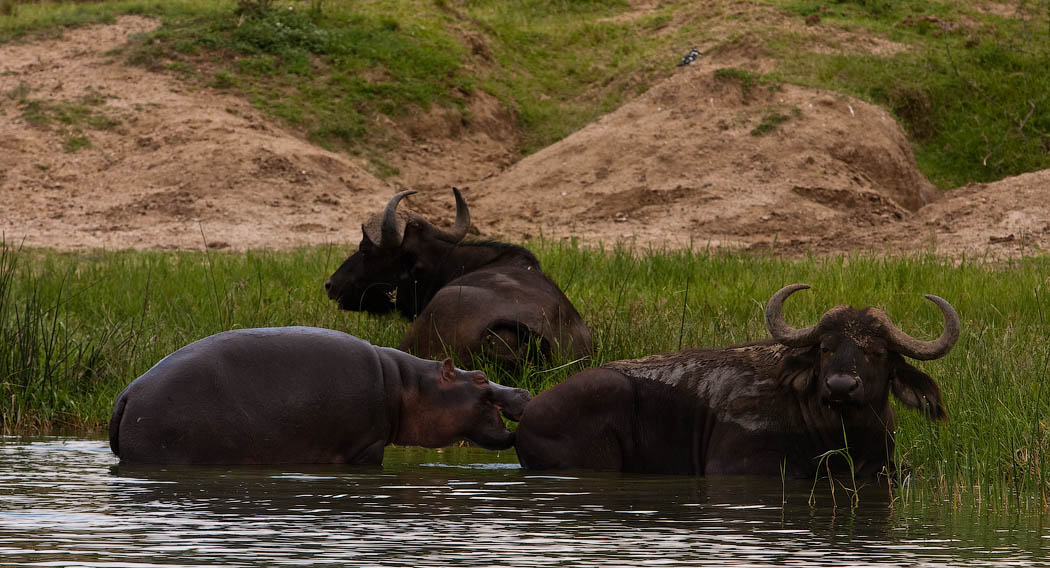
{"x": 466, "y": 297}
{"x": 302, "y": 395}
{"x": 767, "y": 408}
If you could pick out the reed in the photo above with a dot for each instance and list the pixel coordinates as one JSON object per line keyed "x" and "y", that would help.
{"x": 75, "y": 328}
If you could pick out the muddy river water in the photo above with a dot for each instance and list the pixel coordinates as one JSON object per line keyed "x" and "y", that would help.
{"x": 66, "y": 502}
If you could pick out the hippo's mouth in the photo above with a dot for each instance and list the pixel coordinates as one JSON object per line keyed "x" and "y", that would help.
{"x": 509, "y": 415}
{"x": 509, "y": 401}
{"x": 492, "y": 437}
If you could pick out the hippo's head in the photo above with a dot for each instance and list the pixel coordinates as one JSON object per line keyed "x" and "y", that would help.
{"x": 452, "y": 404}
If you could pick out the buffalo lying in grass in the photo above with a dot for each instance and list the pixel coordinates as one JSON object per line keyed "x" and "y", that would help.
{"x": 467, "y": 297}
{"x": 769, "y": 408}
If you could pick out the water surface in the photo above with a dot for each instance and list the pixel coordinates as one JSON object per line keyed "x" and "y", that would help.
{"x": 66, "y": 502}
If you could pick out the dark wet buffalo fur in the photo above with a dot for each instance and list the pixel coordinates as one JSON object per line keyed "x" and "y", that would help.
{"x": 762, "y": 408}
{"x": 466, "y": 298}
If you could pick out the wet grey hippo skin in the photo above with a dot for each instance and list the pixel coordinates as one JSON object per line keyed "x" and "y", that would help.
{"x": 302, "y": 395}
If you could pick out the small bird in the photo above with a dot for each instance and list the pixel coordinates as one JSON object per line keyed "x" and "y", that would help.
{"x": 689, "y": 57}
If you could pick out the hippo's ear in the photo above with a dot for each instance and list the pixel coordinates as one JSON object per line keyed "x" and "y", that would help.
{"x": 915, "y": 388}
{"x": 798, "y": 368}
{"x": 448, "y": 371}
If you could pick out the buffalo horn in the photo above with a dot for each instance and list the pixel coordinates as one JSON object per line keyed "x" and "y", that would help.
{"x": 926, "y": 350}
{"x": 389, "y": 234}
{"x": 462, "y": 224}
{"x": 780, "y": 329}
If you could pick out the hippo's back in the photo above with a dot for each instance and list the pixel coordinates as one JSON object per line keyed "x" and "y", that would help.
{"x": 268, "y": 395}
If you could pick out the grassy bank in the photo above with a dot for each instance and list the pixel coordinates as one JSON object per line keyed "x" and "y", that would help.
{"x": 967, "y": 80}
{"x": 76, "y": 329}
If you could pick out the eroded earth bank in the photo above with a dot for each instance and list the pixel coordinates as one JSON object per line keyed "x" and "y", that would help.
{"x": 689, "y": 161}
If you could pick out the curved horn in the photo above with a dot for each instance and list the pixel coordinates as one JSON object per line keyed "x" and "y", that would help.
{"x": 780, "y": 329}
{"x": 462, "y": 224}
{"x": 389, "y": 233}
{"x": 926, "y": 350}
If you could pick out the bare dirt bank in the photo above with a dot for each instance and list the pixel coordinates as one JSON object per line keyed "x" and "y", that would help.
{"x": 697, "y": 159}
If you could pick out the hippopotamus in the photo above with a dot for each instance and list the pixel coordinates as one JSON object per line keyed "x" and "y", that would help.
{"x": 302, "y": 395}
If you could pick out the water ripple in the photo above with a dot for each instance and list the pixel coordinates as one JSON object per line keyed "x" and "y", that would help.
{"x": 66, "y": 502}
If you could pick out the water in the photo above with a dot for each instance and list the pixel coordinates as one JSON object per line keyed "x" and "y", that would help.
{"x": 66, "y": 502}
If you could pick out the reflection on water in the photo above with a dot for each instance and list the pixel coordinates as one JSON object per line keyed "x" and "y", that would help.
{"x": 65, "y": 502}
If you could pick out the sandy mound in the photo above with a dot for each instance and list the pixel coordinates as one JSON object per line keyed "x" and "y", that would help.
{"x": 436, "y": 151}
{"x": 688, "y": 161}
{"x": 697, "y": 159}
{"x": 178, "y": 161}
{"x": 1007, "y": 218}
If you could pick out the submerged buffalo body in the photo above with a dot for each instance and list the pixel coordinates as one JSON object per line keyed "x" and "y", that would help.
{"x": 467, "y": 298}
{"x": 771, "y": 408}
{"x": 302, "y": 395}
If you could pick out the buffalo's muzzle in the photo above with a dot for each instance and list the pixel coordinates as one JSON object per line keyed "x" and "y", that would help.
{"x": 841, "y": 387}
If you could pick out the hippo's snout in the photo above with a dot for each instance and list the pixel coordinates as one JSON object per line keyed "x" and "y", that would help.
{"x": 511, "y": 401}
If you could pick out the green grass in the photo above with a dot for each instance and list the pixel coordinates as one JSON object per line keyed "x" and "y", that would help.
{"x": 561, "y": 64}
{"x": 971, "y": 89}
{"x": 327, "y": 72}
{"x": 771, "y": 122}
{"x": 69, "y": 118}
{"x": 29, "y": 19}
{"x": 748, "y": 80}
{"x": 76, "y": 328}
{"x": 330, "y": 71}
{"x": 969, "y": 86}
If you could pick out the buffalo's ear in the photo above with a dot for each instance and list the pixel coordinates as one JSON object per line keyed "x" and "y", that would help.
{"x": 365, "y": 240}
{"x": 448, "y": 371}
{"x": 799, "y": 368}
{"x": 915, "y": 388}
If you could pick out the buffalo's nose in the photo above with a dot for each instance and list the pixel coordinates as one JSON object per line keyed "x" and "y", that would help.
{"x": 328, "y": 285}
{"x": 841, "y": 385}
